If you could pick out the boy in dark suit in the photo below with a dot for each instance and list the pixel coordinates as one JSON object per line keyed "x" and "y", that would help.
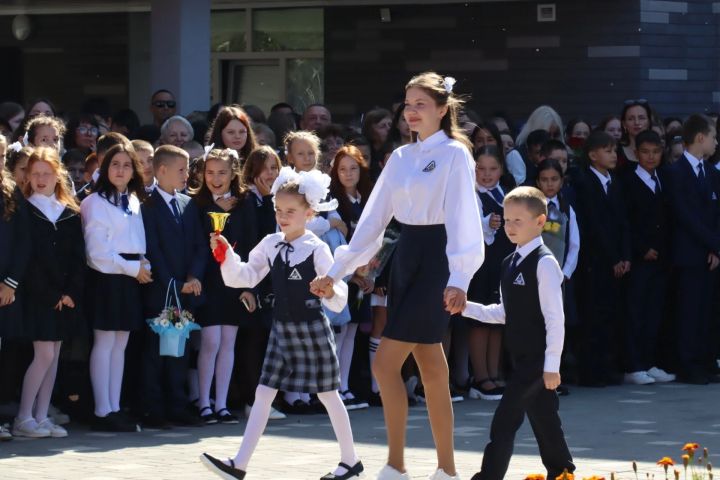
{"x": 176, "y": 247}
{"x": 693, "y": 193}
{"x": 604, "y": 260}
{"x": 647, "y": 207}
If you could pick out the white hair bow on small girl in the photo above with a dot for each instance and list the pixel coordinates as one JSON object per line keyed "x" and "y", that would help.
{"x": 314, "y": 184}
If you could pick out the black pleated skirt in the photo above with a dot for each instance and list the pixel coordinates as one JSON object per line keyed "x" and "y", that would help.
{"x": 418, "y": 278}
{"x": 113, "y": 302}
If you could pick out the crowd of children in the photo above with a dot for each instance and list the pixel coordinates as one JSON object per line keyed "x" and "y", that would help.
{"x": 411, "y": 226}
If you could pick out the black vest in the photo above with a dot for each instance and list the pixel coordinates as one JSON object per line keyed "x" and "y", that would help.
{"x": 291, "y": 285}
{"x": 524, "y": 322}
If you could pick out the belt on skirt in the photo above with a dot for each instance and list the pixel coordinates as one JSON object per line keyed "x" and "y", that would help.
{"x": 131, "y": 256}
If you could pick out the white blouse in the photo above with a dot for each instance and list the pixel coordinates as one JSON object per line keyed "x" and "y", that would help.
{"x": 49, "y": 206}
{"x": 239, "y": 274}
{"x": 429, "y": 182}
{"x": 109, "y": 231}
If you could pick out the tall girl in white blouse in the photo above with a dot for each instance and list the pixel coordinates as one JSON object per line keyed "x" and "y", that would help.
{"x": 115, "y": 245}
{"x": 428, "y": 186}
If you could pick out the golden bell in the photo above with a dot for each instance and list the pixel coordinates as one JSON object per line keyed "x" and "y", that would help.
{"x": 218, "y": 220}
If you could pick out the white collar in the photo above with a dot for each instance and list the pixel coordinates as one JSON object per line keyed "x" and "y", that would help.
{"x": 225, "y": 195}
{"x": 357, "y": 199}
{"x": 166, "y": 196}
{"x": 644, "y": 174}
{"x": 526, "y": 249}
{"x": 152, "y": 186}
{"x": 302, "y": 247}
{"x": 694, "y": 161}
{"x": 49, "y": 206}
{"x": 254, "y": 189}
{"x": 604, "y": 179}
{"x": 96, "y": 175}
{"x": 554, "y": 200}
{"x": 432, "y": 141}
{"x": 482, "y": 189}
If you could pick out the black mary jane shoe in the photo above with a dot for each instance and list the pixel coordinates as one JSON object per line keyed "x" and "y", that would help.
{"x": 224, "y": 416}
{"x": 352, "y": 472}
{"x": 228, "y": 472}
{"x": 207, "y": 416}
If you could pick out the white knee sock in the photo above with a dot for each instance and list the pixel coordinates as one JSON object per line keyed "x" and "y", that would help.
{"x": 373, "y": 346}
{"x": 100, "y": 371}
{"x": 34, "y": 377}
{"x": 224, "y": 366}
{"x": 256, "y": 424}
{"x": 209, "y": 346}
{"x": 117, "y": 366}
{"x": 341, "y": 426}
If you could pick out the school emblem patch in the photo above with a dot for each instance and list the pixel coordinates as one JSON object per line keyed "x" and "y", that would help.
{"x": 295, "y": 275}
{"x": 430, "y": 167}
{"x": 519, "y": 280}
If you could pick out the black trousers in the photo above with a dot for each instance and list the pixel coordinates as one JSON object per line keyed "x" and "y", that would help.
{"x": 647, "y": 289}
{"x": 526, "y": 394}
{"x": 695, "y": 286}
{"x": 164, "y": 380}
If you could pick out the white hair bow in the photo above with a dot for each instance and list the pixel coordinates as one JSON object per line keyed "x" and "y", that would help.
{"x": 15, "y": 146}
{"x": 25, "y": 139}
{"x": 314, "y": 185}
{"x": 208, "y": 149}
{"x": 233, "y": 153}
{"x": 449, "y": 83}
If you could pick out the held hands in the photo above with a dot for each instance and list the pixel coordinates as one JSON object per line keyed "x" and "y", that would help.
{"x": 249, "y": 300}
{"x": 552, "y": 380}
{"x": 323, "y": 287}
{"x": 145, "y": 274}
{"x": 192, "y": 286}
{"x": 7, "y": 295}
{"x": 65, "y": 301}
{"x": 455, "y": 300}
{"x": 713, "y": 261}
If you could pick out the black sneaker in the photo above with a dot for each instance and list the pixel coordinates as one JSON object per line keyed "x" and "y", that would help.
{"x": 224, "y": 416}
{"x": 207, "y": 416}
{"x": 228, "y": 472}
{"x": 352, "y": 403}
{"x": 374, "y": 399}
{"x": 477, "y": 391}
{"x": 455, "y": 394}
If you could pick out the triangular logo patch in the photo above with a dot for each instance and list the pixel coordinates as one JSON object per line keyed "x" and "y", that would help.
{"x": 430, "y": 167}
{"x": 295, "y": 275}
{"x": 519, "y": 280}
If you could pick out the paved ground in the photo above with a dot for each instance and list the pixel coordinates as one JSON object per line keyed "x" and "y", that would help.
{"x": 607, "y": 429}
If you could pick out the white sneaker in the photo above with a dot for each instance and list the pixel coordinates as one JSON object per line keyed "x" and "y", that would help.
{"x": 29, "y": 428}
{"x": 5, "y": 434}
{"x": 274, "y": 414}
{"x": 441, "y": 475}
{"x": 639, "y": 378}
{"x": 661, "y": 375}
{"x": 56, "y": 431}
{"x": 58, "y": 417}
{"x": 389, "y": 473}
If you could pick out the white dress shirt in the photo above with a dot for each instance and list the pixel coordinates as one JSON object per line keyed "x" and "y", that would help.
{"x": 109, "y": 231}
{"x": 488, "y": 231}
{"x": 644, "y": 175}
{"x": 604, "y": 179}
{"x": 516, "y": 166}
{"x": 168, "y": 197}
{"x": 429, "y": 182}
{"x": 574, "y": 241}
{"x": 49, "y": 206}
{"x": 239, "y": 274}
{"x": 694, "y": 163}
{"x": 549, "y": 278}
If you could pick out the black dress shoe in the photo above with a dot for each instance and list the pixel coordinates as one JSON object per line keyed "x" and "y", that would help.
{"x": 298, "y": 407}
{"x": 207, "y": 416}
{"x": 184, "y": 419}
{"x": 224, "y": 416}
{"x": 374, "y": 399}
{"x": 155, "y": 421}
{"x": 228, "y": 472}
{"x": 693, "y": 379}
{"x": 113, "y": 423}
{"x": 352, "y": 472}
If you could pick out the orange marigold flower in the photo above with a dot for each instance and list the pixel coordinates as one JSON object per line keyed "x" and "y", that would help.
{"x": 690, "y": 447}
{"x": 666, "y": 461}
{"x": 594, "y": 477}
{"x": 565, "y": 476}
{"x": 686, "y": 460}
{"x": 535, "y": 476}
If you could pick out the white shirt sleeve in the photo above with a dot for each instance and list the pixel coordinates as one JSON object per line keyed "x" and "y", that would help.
{"x": 550, "y": 278}
{"x": 573, "y": 247}
{"x": 516, "y": 166}
{"x": 318, "y": 225}
{"x": 368, "y": 236}
{"x": 97, "y": 230}
{"x": 323, "y": 262}
{"x": 488, "y": 232}
{"x": 465, "y": 246}
{"x": 485, "y": 313}
{"x": 239, "y": 274}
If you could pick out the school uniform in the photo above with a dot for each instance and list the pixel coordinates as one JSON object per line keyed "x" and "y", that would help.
{"x": 531, "y": 309}
{"x": 114, "y": 246}
{"x": 693, "y": 187}
{"x": 428, "y": 186}
{"x": 360, "y": 311}
{"x": 266, "y": 225}
{"x": 56, "y": 267}
{"x": 176, "y": 249}
{"x": 14, "y": 254}
{"x": 647, "y": 211}
{"x": 606, "y": 241}
{"x": 301, "y": 354}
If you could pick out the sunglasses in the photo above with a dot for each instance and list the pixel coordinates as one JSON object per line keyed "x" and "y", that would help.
{"x": 639, "y": 101}
{"x": 165, "y": 104}
{"x": 86, "y": 130}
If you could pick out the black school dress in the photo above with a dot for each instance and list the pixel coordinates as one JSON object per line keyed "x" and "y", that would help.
{"x": 14, "y": 254}
{"x": 223, "y": 305}
{"x": 56, "y": 268}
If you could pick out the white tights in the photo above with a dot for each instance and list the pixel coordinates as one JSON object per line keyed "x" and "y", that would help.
{"x": 345, "y": 341}
{"x": 39, "y": 381}
{"x": 260, "y": 412}
{"x": 217, "y": 356}
{"x": 107, "y": 361}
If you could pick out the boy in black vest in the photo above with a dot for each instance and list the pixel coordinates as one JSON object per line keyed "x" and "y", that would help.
{"x": 532, "y": 311}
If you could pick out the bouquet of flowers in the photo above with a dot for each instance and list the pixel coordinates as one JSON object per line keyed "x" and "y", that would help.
{"x": 173, "y": 325}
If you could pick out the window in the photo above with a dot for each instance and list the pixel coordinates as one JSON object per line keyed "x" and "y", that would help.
{"x": 227, "y": 31}
{"x": 289, "y": 29}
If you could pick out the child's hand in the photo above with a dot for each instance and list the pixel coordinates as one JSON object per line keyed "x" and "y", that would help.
{"x": 618, "y": 269}
{"x": 192, "y": 286}
{"x": 340, "y": 225}
{"x": 144, "y": 274}
{"x": 651, "y": 255}
{"x": 7, "y": 295}
{"x": 249, "y": 299}
{"x": 495, "y": 221}
{"x": 216, "y": 239}
{"x": 713, "y": 261}
{"x": 455, "y": 300}
{"x": 320, "y": 285}
{"x": 327, "y": 293}
{"x": 68, "y": 301}
{"x": 551, "y": 379}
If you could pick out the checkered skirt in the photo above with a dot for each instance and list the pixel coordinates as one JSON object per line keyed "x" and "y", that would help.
{"x": 301, "y": 357}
